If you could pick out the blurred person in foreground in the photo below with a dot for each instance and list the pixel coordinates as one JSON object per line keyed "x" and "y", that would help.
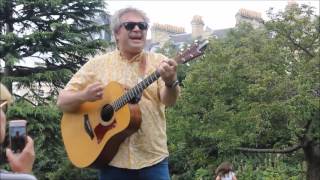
{"x": 20, "y": 163}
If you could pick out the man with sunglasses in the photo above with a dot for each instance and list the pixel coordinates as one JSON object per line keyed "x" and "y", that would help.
{"x": 144, "y": 154}
{"x": 20, "y": 163}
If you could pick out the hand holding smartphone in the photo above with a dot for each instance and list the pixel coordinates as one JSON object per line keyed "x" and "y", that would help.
{"x": 17, "y": 135}
{"x": 20, "y": 154}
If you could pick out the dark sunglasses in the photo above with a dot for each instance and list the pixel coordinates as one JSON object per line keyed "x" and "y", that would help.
{"x": 129, "y": 26}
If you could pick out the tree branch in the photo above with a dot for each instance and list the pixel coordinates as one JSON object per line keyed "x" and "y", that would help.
{"x": 26, "y": 99}
{"x": 283, "y": 151}
{"x": 299, "y": 46}
{"x": 305, "y": 130}
{"x": 19, "y": 71}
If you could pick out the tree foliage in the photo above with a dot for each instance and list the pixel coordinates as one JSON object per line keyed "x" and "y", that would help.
{"x": 258, "y": 89}
{"x": 42, "y": 43}
{"x": 54, "y": 34}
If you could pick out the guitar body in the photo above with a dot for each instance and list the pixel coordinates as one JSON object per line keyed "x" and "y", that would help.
{"x": 92, "y": 142}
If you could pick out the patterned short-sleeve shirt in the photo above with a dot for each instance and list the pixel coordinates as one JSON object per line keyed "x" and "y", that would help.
{"x": 148, "y": 145}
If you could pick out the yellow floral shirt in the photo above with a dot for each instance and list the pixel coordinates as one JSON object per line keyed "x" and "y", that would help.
{"x": 148, "y": 145}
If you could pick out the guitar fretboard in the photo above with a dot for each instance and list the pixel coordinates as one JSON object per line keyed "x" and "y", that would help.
{"x": 135, "y": 91}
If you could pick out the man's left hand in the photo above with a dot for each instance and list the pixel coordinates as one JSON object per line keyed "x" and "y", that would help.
{"x": 168, "y": 71}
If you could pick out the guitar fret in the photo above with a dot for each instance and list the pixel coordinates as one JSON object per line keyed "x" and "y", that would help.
{"x": 148, "y": 81}
{"x": 132, "y": 94}
{"x": 120, "y": 102}
{"x": 153, "y": 78}
{"x": 115, "y": 105}
{"x": 141, "y": 86}
{"x": 135, "y": 91}
{"x": 118, "y": 105}
{"x": 127, "y": 98}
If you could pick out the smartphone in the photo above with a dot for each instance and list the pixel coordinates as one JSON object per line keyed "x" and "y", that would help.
{"x": 17, "y": 135}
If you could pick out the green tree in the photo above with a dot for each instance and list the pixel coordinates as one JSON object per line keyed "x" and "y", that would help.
{"x": 257, "y": 91}
{"x": 42, "y": 43}
{"x": 171, "y": 50}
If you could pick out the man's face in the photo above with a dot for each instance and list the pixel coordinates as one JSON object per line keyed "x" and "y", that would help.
{"x": 131, "y": 39}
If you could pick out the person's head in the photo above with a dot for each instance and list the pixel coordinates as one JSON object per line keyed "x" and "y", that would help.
{"x": 5, "y": 100}
{"x": 129, "y": 26}
{"x": 224, "y": 168}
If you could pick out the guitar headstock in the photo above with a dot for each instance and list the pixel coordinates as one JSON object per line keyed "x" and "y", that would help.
{"x": 195, "y": 50}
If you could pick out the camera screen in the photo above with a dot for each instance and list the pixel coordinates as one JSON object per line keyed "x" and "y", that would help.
{"x": 17, "y": 138}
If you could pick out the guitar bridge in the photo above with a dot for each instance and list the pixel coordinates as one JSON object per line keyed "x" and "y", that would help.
{"x": 87, "y": 126}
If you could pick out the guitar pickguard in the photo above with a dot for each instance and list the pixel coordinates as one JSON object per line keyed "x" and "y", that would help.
{"x": 100, "y": 130}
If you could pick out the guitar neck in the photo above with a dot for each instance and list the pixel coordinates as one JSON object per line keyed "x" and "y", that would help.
{"x": 135, "y": 91}
{"x": 181, "y": 58}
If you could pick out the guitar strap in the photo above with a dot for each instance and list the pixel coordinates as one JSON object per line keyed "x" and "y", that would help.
{"x": 142, "y": 73}
{"x": 143, "y": 65}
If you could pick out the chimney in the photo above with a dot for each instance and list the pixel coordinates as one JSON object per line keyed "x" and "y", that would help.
{"x": 197, "y": 26}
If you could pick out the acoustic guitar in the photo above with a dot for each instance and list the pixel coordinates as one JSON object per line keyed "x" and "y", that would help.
{"x": 93, "y": 133}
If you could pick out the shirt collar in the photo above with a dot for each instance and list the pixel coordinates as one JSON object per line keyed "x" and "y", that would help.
{"x": 136, "y": 58}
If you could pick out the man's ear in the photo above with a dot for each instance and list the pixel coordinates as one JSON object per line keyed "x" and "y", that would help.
{"x": 116, "y": 34}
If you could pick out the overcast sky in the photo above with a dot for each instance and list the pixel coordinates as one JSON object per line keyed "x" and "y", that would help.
{"x": 216, "y": 14}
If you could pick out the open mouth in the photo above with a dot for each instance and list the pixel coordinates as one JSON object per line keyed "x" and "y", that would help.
{"x": 136, "y": 37}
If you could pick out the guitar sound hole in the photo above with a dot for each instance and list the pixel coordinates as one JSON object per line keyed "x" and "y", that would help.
{"x": 107, "y": 113}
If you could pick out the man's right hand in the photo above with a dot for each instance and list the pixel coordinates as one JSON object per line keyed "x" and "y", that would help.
{"x": 22, "y": 162}
{"x": 93, "y": 92}
{"x": 69, "y": 101}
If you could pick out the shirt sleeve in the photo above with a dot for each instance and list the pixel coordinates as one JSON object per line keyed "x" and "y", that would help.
{"x": 85, "y": 76}
{"x": 16, "y": 176}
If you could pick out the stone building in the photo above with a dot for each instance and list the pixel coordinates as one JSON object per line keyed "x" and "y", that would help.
{"x": 161, "y": 33}
{"x": 252, "y": 17}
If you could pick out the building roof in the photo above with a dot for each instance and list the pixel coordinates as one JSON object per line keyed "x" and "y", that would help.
{"x": 249, "y": 14}
{"x": 179, "y": 38}
{"x": 168, "y": 28}
{"x": 220, "y": 33}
